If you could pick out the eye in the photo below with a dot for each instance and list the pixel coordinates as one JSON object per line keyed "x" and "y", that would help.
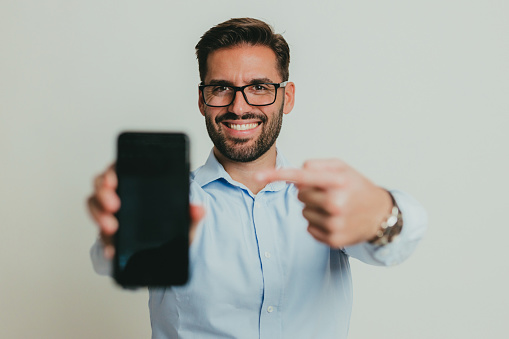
{"x": 260, "y": 87}
{"x": 220, "y": 89}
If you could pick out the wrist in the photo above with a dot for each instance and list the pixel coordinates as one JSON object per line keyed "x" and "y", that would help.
{"x": 390, "y": 227}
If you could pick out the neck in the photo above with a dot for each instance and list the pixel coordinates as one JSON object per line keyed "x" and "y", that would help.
{"x": 244, "y": 172}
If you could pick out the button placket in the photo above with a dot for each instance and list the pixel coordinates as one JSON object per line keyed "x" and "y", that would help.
{"x": 270, "y": 317}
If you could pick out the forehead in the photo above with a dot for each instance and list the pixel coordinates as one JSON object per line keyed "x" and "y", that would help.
{"x": 240, "y": 64}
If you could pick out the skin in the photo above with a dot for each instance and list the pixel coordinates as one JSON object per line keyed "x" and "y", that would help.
{"x": 241, "y": 66}
{"x": 342, "y": 206}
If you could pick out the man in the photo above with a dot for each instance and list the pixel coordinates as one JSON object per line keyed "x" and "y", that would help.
{"x": 270, "y": 257}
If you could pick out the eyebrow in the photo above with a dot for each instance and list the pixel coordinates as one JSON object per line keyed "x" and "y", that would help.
{"x": 229, "y": 83}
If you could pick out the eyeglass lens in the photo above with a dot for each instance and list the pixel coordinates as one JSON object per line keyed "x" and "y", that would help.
{"x": 258, "y": 94}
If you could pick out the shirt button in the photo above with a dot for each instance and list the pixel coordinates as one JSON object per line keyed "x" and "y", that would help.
{"x": 257, "y": 204}
{"x": 270, "y": 309}
{"x": 267, "y": 254}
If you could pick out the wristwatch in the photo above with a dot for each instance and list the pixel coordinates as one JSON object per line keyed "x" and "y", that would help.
{"x": 390, "y": 228}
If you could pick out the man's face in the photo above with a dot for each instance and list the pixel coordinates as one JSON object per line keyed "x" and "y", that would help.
{"x": 242, "y": 132}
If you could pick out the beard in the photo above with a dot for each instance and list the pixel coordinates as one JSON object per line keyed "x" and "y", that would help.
{"x": 238, "y": 149}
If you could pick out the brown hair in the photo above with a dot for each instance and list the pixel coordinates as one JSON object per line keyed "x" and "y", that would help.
{"x": 240, "y": 31}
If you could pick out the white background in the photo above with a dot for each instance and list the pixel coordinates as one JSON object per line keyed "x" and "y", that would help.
{"x": 414, "y": 94}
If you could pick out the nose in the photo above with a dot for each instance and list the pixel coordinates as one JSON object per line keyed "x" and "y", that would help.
{"x": 239, "y": 104}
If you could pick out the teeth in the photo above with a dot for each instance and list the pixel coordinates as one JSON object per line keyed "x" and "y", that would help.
{"x": 242, "y": 127}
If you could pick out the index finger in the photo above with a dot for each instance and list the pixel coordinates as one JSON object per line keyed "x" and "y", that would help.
{"x": 302, "y": 177}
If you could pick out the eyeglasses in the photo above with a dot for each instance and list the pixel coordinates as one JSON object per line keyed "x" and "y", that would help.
{"x": 261, "y": 94}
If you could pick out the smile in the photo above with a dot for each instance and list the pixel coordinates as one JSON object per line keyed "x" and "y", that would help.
{"x": 242, "y": 127}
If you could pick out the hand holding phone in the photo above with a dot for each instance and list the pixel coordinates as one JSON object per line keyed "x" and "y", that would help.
{"x": 151, "y": 243}
{"x": 104, "y": 202}
{"x": 102, "y": 206}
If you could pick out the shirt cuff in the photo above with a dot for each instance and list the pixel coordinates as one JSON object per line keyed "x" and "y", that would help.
{"x": 101, "y": 265}
{"x": 415, "y": 222}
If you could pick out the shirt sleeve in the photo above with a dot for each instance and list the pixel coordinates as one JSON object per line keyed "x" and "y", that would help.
{"x": 415, "y": 221}
{"x": 100, "y": 264}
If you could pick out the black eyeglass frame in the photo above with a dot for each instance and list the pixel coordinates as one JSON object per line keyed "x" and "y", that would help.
{"x": 241, "y": 89}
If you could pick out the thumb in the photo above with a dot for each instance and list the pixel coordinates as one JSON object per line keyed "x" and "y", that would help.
{"x": 196, "y": 212}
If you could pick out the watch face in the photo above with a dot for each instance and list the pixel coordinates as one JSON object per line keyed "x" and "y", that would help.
{"x": 389, "y": 229}
{"x": 393, "y": 219}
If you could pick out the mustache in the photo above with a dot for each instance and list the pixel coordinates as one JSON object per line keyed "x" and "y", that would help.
{"x": 233, "y": 116}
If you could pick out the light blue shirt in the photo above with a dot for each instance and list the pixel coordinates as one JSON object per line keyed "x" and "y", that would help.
{"x": 255, "y": 271}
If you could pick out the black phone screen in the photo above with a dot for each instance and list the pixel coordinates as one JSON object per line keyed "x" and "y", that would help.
{"x": 151, "y": 244}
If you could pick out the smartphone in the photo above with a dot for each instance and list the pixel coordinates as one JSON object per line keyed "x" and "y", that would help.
{"x": 152, "y": 241}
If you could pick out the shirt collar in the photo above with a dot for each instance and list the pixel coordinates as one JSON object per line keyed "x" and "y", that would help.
{"x": 212, "y": 170}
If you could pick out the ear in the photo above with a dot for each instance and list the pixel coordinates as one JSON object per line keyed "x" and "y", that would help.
{"x": 289, "y": 97}
{"x": 201, "y": 103}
